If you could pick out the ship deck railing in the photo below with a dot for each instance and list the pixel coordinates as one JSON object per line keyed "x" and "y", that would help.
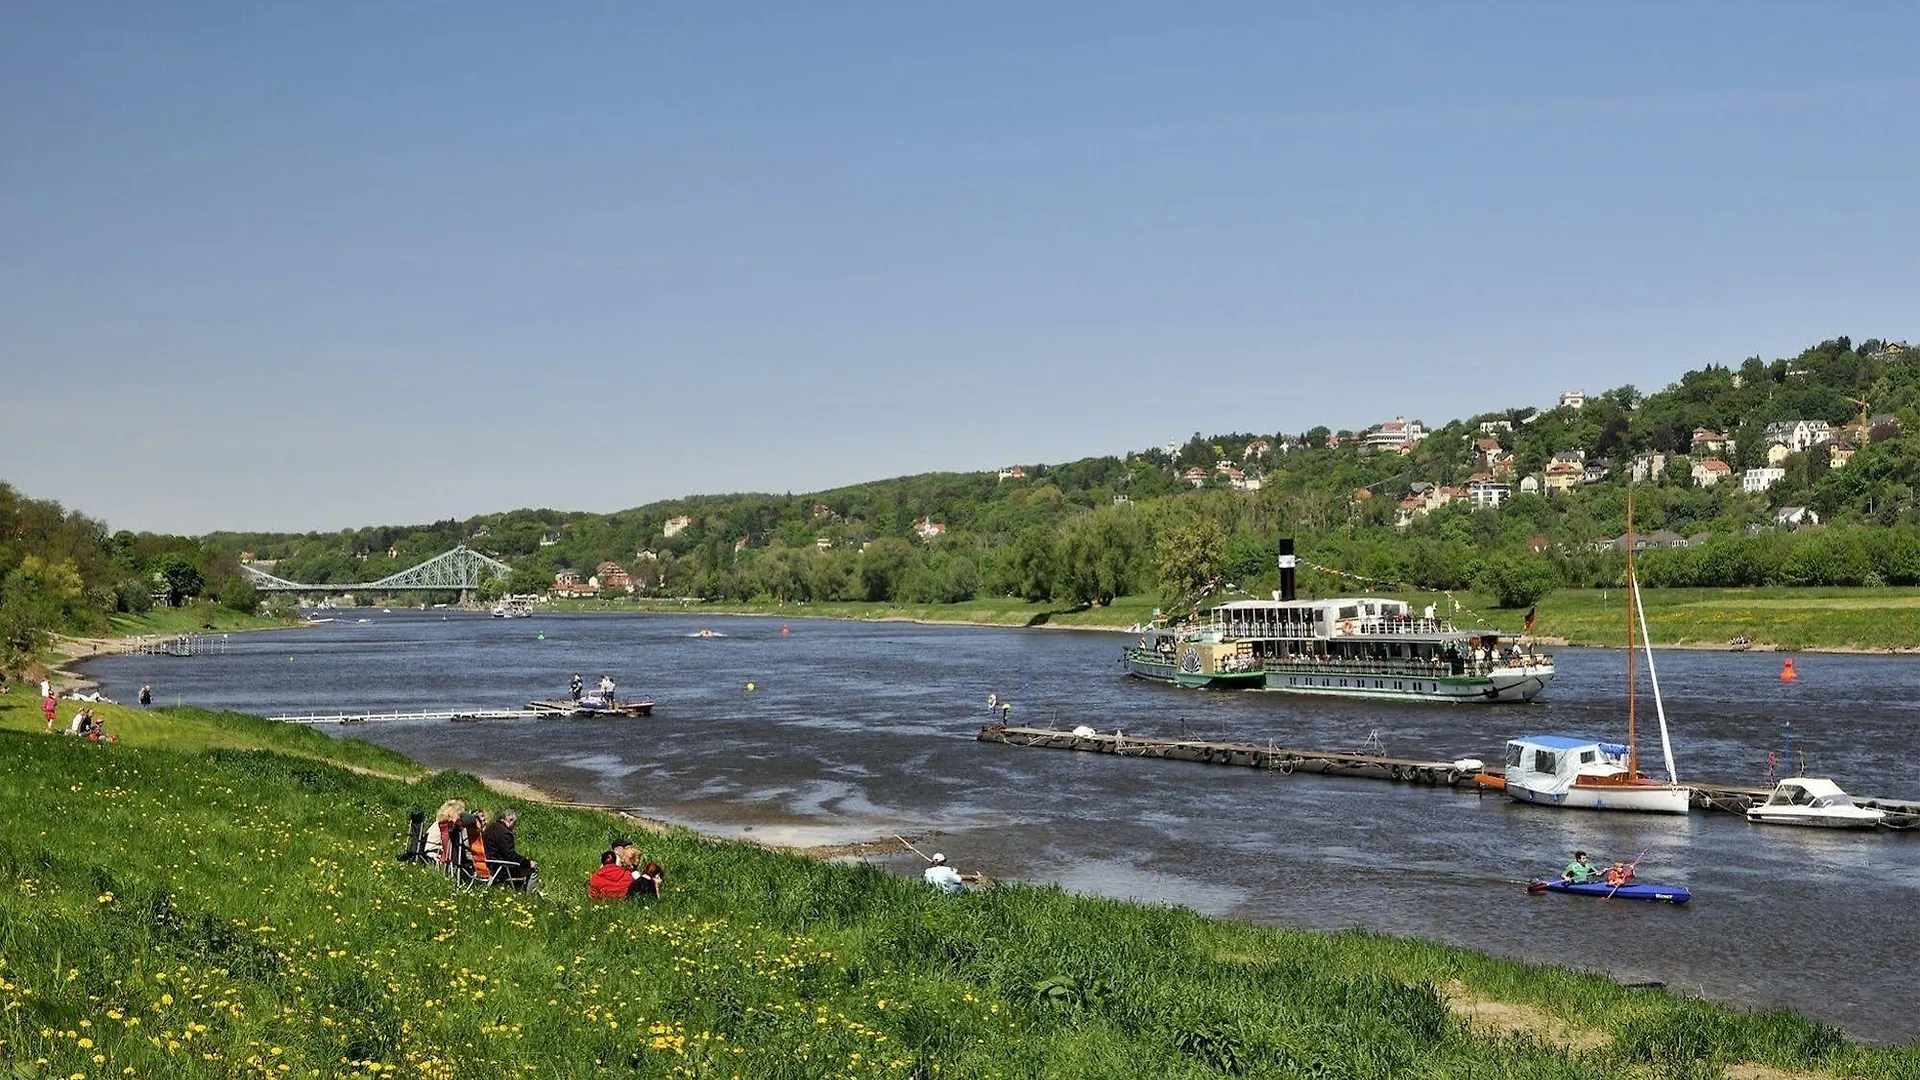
{"x": 1300, "y": 631}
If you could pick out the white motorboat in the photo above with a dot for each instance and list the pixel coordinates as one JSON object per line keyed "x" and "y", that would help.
{"x": 1805, "y": 800}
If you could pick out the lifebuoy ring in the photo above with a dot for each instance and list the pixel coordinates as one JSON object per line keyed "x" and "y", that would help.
{"x": 1346, "y": 626}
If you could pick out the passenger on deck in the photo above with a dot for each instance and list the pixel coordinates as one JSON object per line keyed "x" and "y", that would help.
{"x": 606, "y": 690}
{"x": 576, "y": 686}
{"x": 1579, "y": 871}
{"x": 502, "y": 854}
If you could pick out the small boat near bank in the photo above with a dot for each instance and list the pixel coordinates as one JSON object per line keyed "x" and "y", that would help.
{"x": 1575, "y": 772}
{"x": 1359, "y": 646}
{"x": 512, "y": 609}
{"x": 1810, "y": 801}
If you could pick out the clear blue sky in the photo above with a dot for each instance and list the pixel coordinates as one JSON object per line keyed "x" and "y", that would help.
{"x": 291, "y": 266}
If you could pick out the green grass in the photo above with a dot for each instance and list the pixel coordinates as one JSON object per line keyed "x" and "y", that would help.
{"x": 176, "y": 905}
{"x": 1787, "y": 618}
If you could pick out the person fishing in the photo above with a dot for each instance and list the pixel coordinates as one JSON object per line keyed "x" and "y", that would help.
{"x": 576, "y": 686}
{"x": 1580, "y": 871}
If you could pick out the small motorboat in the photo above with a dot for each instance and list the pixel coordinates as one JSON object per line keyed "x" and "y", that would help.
{"x": 1804, "y": 800}
{"x": 1632, "y": 890}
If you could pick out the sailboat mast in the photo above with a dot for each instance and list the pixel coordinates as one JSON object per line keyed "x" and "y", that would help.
{"x": 1633, "y": 751}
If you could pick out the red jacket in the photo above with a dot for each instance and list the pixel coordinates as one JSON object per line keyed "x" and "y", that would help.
{"x": 610, "y": 882}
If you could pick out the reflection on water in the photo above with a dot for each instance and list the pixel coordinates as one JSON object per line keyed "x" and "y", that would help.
{"x": 858, "y": 731}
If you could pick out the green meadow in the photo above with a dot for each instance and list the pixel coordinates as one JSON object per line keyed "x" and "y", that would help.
{"x": 1773, "y": 617}
{"x": 216, "y": 896}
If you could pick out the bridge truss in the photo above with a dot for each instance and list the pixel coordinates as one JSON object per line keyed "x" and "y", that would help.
{"x": 461, "y": 570}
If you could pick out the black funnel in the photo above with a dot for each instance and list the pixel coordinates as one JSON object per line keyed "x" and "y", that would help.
{"x": 1286, "y": 569}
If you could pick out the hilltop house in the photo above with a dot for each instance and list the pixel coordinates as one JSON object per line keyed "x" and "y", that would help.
{"x": 1708, "y": 441}
{"x": 1487, "y": 493}
{"x": 1839, "y": 452}
{"x": 614, "y": 576}
{"x": 675, "y": 526}
{"x": 1595, "y": 471}
{"x": 1757, "y": 480}
{"x": 1257, "y": 448}
{"x": 928, "y": 529}
{"x": 1710, "y": 471}
{"x": 1399, "y": 435}
{"x": 1488, "y": 427}
{"x": 1651, "y": 465}
{"x": 1798, "y": 436}
{"x": 1490, "y": 453}
{"x": 569, "y": 583}
{"x": 1573, "y": 399}
{"x": 1196, "y": 476}
{"x": 1014, "y": 472}
{"x": 1561, "y": 475}
{"x": 1529, "y": 485}
{"x": 1793, "y": 517}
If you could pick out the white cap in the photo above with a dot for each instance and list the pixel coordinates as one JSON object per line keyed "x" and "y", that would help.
{"x": 939, "y": 858}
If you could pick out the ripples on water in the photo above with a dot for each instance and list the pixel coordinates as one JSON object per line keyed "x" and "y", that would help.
{"x": 860, "y": 730}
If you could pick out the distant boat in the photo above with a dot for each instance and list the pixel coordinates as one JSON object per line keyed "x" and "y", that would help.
{"x": 1805, "y": 800}
{"x": 511, "y": 609}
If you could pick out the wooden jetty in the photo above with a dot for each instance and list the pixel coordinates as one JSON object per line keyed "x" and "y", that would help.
{"x": 564, "y": 709}
{"x": 588, "y": 710}
{"x": 426, "y": 714}
{"x": 1461, "y": 774}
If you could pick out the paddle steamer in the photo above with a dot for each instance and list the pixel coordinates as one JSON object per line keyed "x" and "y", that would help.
{"x": 1361, "y": 646}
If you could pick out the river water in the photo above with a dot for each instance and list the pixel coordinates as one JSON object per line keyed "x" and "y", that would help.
{"x": 857, "y": 731}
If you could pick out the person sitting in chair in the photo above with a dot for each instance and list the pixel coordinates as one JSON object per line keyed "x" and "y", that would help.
{"x": 502, "y": 854}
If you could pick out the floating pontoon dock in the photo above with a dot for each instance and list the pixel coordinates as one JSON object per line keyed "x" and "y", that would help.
{"x": 562, "y": 708}
{"x": 1732, "y": 798}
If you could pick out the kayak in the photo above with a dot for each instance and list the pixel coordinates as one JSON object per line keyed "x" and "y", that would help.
{"x": 1632, "y": 890}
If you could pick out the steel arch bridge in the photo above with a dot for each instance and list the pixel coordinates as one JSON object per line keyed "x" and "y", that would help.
{"x": 461, "y": 569}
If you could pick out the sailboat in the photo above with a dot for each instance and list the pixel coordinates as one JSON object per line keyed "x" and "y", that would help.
{"x": 1571, "y": 771}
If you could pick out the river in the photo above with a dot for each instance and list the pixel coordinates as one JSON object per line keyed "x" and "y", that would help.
{"x": 857, "y": 731}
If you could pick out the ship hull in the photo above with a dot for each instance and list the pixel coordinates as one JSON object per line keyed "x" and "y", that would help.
{"x": 1505, "y": 685}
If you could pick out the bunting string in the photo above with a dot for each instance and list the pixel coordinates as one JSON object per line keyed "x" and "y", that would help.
{"x": 1400, "y": 586}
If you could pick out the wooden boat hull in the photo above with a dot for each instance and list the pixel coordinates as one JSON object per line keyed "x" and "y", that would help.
{"x": 1632, "y": 890}
{"x": 1639, "y": 798}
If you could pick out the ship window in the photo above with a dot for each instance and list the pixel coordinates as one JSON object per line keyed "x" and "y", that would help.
{"x": 1543, "y": 761}
{"x": 1396, "y": 684}
{"x": 1513, "y": 757}
{"x": 1350, "y": 612}
{"x": 1586, "y": 757}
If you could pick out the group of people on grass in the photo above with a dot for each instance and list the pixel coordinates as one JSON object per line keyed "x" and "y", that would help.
{"x": 474, "y": 847}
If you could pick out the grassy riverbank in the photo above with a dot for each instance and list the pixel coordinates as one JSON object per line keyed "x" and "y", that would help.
{"x": 217, "y": 896}
{"x": 1783, "y": 618}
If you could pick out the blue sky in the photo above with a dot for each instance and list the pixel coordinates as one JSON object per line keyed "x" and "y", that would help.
{"x": 318, "y": 266}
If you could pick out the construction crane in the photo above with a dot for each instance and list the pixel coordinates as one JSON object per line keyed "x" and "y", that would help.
{"x": 1862, "y": 402}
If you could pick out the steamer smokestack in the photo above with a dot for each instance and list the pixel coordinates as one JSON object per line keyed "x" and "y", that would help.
{"x": 1286, "y": 569}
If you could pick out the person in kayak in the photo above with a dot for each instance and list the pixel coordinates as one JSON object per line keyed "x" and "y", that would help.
{"x": 1619, "y": 874}
{"x": 1580, "y": 871}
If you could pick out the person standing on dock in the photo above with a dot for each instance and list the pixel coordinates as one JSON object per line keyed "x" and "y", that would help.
{"x": 606, "y": 689}
{"x": 576, "y": 686}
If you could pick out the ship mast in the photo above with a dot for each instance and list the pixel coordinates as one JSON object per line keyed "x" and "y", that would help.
{"x": 1633, "y": 753}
